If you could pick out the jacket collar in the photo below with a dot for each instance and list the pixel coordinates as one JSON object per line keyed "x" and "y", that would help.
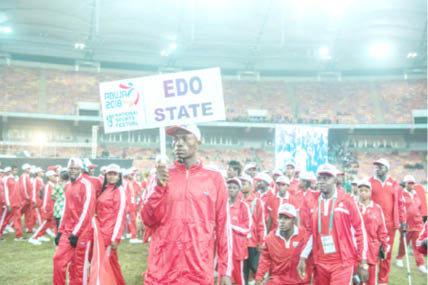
{"x": 182, "y": 166}
{"x": 295, "y": 232}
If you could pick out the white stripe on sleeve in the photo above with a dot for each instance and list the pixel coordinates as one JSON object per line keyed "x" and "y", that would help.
{"x": 85, "y": 206}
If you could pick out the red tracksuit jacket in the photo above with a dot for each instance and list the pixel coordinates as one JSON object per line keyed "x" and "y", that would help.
{"x": 79, "y": 209}
{"x": 413, "y": 210}
{"x": 131, "y": 195}
{"x": 25, "y": 187}
{"x": 111, "y": 214}
{"x": 96, "y": 183}
{"x": 265, "y": 197}
{"x": 388, "y": 196}
{"x": 280, "y": 258}
{"x": 48, "y": 203}
{"x": 377, "y": 234}
{"x": 187, "y": 218}
{"x": 257, "y": 235}
{"x": 35, "y": 195}
{"x": 349, "y": 226}
{"x": 306, "y": 208}
{"x": 240, "y": 219}
{"x": 11, "y": 192}
{"x": 273, "y": 205}
{"x": 422, "y": 197}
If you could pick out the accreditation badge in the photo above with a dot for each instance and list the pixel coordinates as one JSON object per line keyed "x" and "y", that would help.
{"x": 328, "y": 244}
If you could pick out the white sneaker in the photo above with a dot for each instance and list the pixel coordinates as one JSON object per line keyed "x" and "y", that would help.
{"x": 422, "y": 269}
{"x": 9, "y": 229}
{"x": 19, "y": 239}
{"x": 135, "y": 240}
{"x": 34, "y": 241}
{"x": 50, "y": 233}
{"x": 128, "y": 235}
{"x": 399, "y": 263}
{"x": 45, "y": 239}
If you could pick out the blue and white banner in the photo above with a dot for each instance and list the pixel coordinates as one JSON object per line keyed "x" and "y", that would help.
{"x": 306, "y": 146}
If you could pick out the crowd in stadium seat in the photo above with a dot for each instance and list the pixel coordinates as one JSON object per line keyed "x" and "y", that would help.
{"x": 398, "y": 99}
{"x": 347, "y": 102}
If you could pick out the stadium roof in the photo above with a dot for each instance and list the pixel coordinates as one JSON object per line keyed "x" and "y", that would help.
{"x": 238, "y": 35}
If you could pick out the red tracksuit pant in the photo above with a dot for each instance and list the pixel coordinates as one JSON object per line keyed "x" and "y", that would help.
{"x": 411, "y": 237}
{"x": 385, "y": 265}
{"x": 237, "y": 272}
{"x": 334, "y": 274}
{"x": 28, "y": 212}
{"x": 48, "y": 223}
{"x": 77, "y": 257}
{"x": 132, "y": 225}
{"x": 115, "y": 266}
{"x": 15, "y": 216}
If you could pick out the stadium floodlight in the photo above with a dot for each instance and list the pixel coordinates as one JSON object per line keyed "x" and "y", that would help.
{"x": 6, "y": 30}
{"x": 380, "y": 49}
{"x": 79, "y": 45}
{"x": 324, "y": 53}
{"x": 163, "y": 53}
{"x": 39, "y": 139}
{"x": 412, "y": 55}
{"x": 172, "y": 46}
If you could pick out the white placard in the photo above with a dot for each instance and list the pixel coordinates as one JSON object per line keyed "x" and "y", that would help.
{"x": 162, "y": 100}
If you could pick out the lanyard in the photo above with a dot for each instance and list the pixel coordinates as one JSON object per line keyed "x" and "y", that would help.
{"x": 330, "y": 227}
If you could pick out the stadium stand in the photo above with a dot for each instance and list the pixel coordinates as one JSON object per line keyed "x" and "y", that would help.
{"x": 347, "y": 102}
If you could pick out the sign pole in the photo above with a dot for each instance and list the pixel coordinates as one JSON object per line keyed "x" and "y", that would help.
{"x": 162, "y": 142}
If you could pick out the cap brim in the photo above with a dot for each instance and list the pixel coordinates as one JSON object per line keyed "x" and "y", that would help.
{"x": 327, "y": 172}
{"x": 114, "y": 171}
{"x": 171, "y": 130}
{"x": 287, "y": 214}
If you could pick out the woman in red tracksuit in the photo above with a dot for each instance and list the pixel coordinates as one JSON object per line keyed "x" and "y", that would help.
{"x": 375, "y": 226}
{"x": 240, "y": 219}
{"x": 111, "y": 211}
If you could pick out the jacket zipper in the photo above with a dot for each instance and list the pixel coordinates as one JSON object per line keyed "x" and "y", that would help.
{"x": 186, "y": 195}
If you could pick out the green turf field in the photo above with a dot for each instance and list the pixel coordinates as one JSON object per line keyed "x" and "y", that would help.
{"x": 24, "y": 263}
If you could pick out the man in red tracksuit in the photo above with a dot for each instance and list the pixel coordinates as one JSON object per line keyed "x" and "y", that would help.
{"x": 263, "y": 180}
{"x": 283, "y": 196}
{"x": 375, "y": 226}
{"x": 414, "y": 221}
{"x": 46, "y": 210}
{"x": 290, "y": 172}
{"x": 387, "y": 193}
{"x": 338, "y": 237}
{"x": 188, "y": 214}
{"x": 257, "y": 236}
{"x": 12, "y": 200}
{"x": 88, "y": 171}
{"x": 75, "y": 231}
{"x": 241, "y": 225}
{"x": 26, "y": 195}
{"x": 283, "y": 247}
{"x": 132, "y": 206}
